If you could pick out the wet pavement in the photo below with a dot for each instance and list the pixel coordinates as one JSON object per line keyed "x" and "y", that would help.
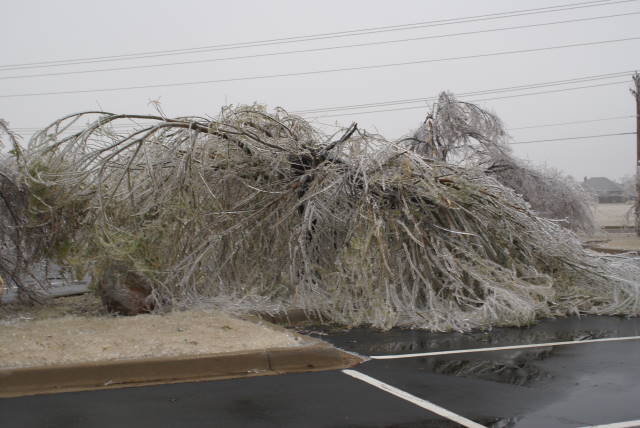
{"x": 326, "y": 399}
{"x": 398, "y": 341}
{"x": 552, "y": 386}
{"x": 567, "y": 386}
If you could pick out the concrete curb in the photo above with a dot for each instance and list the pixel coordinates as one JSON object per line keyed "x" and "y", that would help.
{"x": 316, "y": 356}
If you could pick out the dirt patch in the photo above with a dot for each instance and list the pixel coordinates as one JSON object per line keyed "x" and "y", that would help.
{"x": 83, "y": 305}
{"x": 75, "y": 330}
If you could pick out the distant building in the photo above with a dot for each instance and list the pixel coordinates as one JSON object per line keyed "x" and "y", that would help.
{"x": 606, "y": 190}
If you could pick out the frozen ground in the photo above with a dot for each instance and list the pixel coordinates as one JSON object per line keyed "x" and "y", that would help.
{"x": 74, "y": 330}
{"x": 614, "y": 215}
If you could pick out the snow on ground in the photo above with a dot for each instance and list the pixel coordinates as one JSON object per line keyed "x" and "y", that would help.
{"x": 614, "y": 215}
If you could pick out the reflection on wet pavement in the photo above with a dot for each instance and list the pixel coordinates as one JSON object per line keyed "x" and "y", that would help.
{"x": 519, "y": 368}
{"x": 547, "y": 386}
{"x": 401, "y": 341}
{"x": 503, "y": 423}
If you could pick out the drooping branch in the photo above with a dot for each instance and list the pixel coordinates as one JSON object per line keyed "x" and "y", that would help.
{"x": 255, "y": 210}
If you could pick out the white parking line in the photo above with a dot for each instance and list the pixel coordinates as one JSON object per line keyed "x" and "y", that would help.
{"x": 628, "y": 424}
{"x": 434, "y": 408}
{"x": 502, "y": 348}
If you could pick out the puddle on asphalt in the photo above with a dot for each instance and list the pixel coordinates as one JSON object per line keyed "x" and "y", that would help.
{"x": 516, "y": 368}
{"x": 501, "y": 423}
{"x": 489, "y": 422}
{"x": 367, "y": 341}
{"x": 544, "y": 386}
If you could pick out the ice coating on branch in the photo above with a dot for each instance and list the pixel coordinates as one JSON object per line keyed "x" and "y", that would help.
{"x": 255, "y": 211}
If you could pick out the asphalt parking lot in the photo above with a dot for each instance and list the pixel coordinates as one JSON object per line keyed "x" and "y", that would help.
{"x": 439, "y": 380}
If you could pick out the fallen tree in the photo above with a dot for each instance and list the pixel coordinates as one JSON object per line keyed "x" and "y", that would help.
{"x": 255, "y": 210}
{"x": 462, "y": 133}
{"x": 20, "y": 249}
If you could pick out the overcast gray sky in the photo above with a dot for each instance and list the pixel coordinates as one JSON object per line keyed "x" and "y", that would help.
{"x": 36, "y": 31}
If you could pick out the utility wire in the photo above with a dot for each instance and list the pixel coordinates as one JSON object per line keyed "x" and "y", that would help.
{"x": 474, "y": 100}
{"x": 575, "y": 88}
{"x": 470, "y": 93}
{"x": 322, "y": 49}
{"x": 542, "y": 125}
{"x": 574, "y": 138}
{"x": 575, "y": 122}
{"x": 315, "y": 72}
{"x": 312, "y": 37}
{"x": 482, "y": 92}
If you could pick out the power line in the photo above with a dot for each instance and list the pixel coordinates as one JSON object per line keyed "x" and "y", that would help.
{"x": 322, "y": 49}
{"x": 474, "y": 100}
{"x": 582, "y": 79}
{"x": 315, "y": 72}
{"x": 542, "y": 125}
{"x": 482, "y": 92}
{"x": 313, "y": 37}
{"x": 575, "y": 122}
{"x": 573, "y": 138}
{"x": 623, "y": 82}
